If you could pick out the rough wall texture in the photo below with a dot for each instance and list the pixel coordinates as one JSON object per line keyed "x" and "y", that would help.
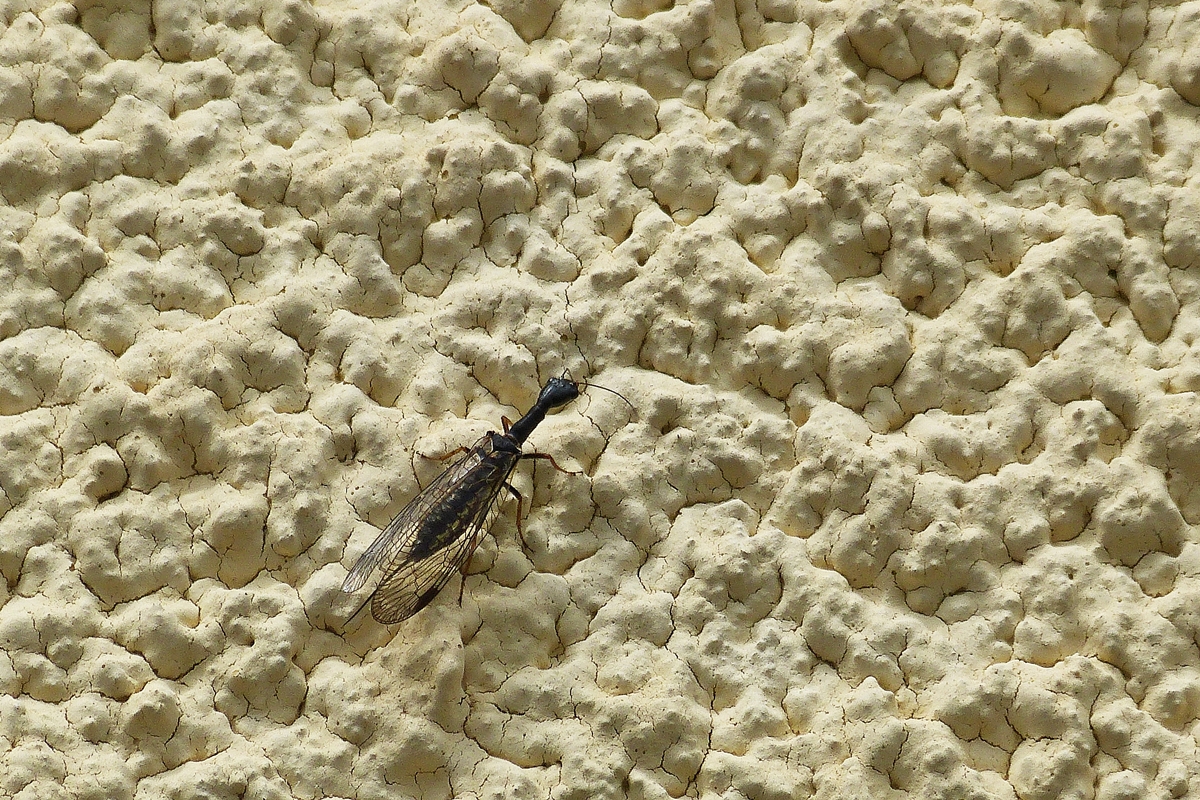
{"x": 907, "y": 295}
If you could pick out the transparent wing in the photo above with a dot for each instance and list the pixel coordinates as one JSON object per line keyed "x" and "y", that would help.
{"x": 396, "y": 540}
{"x": 434, "y": 535}
{"x": 445, "y": 545}
{"x": 414, "y": 583}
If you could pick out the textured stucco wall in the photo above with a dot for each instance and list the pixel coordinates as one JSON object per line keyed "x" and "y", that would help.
{"x": 907, "y": 296}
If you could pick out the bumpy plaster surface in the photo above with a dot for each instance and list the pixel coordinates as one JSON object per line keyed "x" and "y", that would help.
{"x": 907, "y": 296}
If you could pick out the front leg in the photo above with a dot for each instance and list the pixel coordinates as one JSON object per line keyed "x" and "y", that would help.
{"x": 550, "y": 458}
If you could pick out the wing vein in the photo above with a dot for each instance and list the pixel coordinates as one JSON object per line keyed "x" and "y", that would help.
{"x": 433, "y": 536}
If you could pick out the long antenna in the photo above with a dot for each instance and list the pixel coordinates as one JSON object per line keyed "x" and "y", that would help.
{"x": 611, "y": 391}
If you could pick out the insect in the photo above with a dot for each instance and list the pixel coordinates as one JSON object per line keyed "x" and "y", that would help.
{"x": 436, "y": 533}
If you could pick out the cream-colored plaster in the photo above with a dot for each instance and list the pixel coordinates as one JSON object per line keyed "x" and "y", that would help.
{"x": 907, "y": 296}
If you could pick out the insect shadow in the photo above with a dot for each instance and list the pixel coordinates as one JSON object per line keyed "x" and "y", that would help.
{"x": 436, "y": 533}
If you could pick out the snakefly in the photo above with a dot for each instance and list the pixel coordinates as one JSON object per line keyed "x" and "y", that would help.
{"x": 436, "y": 533}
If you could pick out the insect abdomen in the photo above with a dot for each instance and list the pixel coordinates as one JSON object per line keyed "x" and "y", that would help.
{"x": 463, "y": 505}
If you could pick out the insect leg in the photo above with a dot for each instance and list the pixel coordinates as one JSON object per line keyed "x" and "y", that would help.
{"x": 451, "y": 454}
{"x": 513, "y": 490}
{"x": 550, "y": 458}
{"x": 462, "y": 567}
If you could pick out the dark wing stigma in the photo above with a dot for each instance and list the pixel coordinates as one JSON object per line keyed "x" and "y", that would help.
{"x": 434, "y": 535}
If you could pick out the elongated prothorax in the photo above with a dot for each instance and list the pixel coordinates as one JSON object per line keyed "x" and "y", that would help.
{"x": 557, "y": 392}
